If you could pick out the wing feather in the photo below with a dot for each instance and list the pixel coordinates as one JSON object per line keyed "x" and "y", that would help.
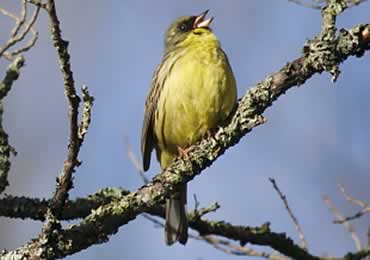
{"x": 147, "y": 132}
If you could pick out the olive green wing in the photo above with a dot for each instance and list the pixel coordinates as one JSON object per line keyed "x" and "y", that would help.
{"x": 147, "y": 132}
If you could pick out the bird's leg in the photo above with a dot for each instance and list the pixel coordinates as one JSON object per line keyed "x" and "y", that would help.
{"x": 183, "y": 153}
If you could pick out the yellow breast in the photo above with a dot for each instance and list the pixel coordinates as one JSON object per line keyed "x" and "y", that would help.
{"x": 198, "y": 93}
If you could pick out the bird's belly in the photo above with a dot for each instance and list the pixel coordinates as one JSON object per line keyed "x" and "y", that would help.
{"x": 195, "y": 100}
{"x": 188, "y": 119}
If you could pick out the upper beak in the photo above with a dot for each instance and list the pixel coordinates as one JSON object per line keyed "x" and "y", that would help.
{"x": 200, "y": 21}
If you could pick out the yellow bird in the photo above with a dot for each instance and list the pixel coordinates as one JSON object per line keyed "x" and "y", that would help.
{"x": 192, "y": 92}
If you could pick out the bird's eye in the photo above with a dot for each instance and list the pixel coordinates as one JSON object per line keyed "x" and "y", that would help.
{"x": 184, "y": 27}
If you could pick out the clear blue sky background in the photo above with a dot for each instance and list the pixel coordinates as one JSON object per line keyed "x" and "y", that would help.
{"x": 316, "y": 136}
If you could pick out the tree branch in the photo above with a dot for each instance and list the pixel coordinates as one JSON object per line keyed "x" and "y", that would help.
{"x": 35, "y": 209}
{"x": 65, "y": 178}
{"x": 348, "y": 226}
{"x": 365, "y": 208}
{"x": 106, "y": 220}
{"x": 324, "y": 53}
{"x": 11, "y": 75}
{"x": 18, "y": 36}
{"x": 291, "y": 215}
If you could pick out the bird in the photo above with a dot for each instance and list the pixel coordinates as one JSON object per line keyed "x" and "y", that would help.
{"x": 193, "y": 91}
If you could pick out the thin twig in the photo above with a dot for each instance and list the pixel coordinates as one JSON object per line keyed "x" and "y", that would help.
{"x": 291, "y": 215}
{"x": 348, "y": 226}
{"x": 351, "y": 3}
{"x": 302, "y": 3}
{"x": 365, "y": 208}
{"x": 135, "y": 162}
{"x": 88, "y": 102}
{"x": 27, "y": 47}
{"x": 233, "y": 249}
{"x": 21, "y": 35}
{"x": 38, "y": 3}
{"x": 21, "y": 20}
{"x": 204, "y": 211}
{"x": 221, "y": 244}
{"x": 351, "y": 199}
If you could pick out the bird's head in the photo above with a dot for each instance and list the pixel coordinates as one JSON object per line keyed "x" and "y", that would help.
{"x": 187, "y": 29}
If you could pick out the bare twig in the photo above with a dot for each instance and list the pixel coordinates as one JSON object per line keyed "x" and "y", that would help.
{"x": 365, "y": 208}
{"x": 21, "y": 20}
{"x": 351, "y": 3}
{"x": 309, "y": 5}
{"x": 17, "y": 35}
{"x": 233, "y": 249}
{"x": 27, "y": 47}
{"x": 131, "y": 155}
{"x": 351, "y": 199}
{"x": 221, "y": 244}
{"x": 290, "y": 212}
{"x": 349, "y": 227}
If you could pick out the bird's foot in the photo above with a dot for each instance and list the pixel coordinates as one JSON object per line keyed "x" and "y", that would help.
{"x": 183, "y": 153}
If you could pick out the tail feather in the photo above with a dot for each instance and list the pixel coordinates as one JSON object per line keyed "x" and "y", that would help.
{"x": 176, "y": 228}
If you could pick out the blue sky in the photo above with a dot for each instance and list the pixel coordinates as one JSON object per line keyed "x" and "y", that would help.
{"x": 316, "y": 136}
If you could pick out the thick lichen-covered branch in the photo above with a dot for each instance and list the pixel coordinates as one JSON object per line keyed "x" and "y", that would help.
{"x": 11, "y": 75}
{"x": 263, "y": 236}
{"x": 35, "y": 208}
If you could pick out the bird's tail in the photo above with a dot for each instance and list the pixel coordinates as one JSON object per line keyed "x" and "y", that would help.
{"x": 176, "y": 228}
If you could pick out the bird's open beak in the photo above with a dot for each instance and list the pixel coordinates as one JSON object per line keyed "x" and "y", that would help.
{"x": 201, "y": 22}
